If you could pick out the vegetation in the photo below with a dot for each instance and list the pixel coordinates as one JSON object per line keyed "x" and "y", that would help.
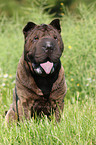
{"x": 54, "y": 7}
{"x": 78, "y": 122}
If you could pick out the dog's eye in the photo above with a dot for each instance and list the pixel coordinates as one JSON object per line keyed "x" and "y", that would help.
{"x": 55, "y": 37}
{"x": 36, "y": 37}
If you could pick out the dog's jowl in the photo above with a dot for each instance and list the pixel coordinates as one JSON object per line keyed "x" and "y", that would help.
{"x": 40, "y": 81}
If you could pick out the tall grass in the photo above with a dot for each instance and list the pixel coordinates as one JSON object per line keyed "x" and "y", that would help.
{"x": 80, "y": 53}
{"x": 78, "y": 122}
{"x": 77, "y": 126}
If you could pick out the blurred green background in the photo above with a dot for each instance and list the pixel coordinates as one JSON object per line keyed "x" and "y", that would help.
{"x": 53, "y": 7}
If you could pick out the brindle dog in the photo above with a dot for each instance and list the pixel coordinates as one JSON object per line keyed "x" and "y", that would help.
{"x": 40, "y": 81}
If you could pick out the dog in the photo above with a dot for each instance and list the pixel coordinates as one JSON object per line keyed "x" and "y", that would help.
{"x": 40, "y": 80}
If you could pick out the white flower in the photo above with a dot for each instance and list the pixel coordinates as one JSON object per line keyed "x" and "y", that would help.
{"x": 5, "y": 75}
{"x": 3, "y": 84}
{"x": 89, "y": 79}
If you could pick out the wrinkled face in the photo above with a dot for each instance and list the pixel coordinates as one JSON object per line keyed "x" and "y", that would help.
{"x": 43, "y": 46}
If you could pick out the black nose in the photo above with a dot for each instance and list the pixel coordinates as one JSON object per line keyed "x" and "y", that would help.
{"x": 49, "y": 46}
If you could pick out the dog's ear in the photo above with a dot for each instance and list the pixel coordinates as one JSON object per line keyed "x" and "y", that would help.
{"x": 28, "y": 27}
{"x": 56, "y": 24}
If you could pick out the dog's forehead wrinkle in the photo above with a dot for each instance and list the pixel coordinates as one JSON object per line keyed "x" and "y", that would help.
{"x": 44, "y": 25}
{"x": 43, "y": 30}
{"x": 41, "y": 34}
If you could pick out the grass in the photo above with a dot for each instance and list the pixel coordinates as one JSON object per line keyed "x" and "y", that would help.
{"x": 78, "y": 122}
{"x": 77, "y": 126}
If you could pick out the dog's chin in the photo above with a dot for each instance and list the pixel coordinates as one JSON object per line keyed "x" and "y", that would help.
{"x": 44, "y": 69}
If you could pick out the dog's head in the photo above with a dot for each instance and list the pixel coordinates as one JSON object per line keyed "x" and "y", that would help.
{"x": 43, "y": 46}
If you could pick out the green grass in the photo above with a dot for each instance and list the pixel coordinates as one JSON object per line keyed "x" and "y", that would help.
{"x": 78, "y": 122}
{"x": 77, "y": 126}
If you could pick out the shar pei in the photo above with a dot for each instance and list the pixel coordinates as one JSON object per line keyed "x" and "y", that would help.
{"x": 40, "y": 81}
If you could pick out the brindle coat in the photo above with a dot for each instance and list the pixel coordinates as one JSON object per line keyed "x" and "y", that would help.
{"x": 35, "y": 90}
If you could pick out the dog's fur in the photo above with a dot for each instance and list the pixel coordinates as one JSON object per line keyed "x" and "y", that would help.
{"x": 39, "y": 88}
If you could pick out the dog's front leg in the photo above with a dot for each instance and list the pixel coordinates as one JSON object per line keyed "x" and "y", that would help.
{"x": 11, "y": 115}
{"x": 59, "y": 109}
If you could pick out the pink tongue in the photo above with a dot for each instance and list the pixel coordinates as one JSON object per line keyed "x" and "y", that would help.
{"x": 47, "y": 66}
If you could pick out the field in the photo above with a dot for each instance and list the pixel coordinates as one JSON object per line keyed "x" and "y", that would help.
{"x": 78, "y": 122}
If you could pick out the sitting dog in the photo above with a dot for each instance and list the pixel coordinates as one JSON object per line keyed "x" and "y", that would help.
{"x": 40, "y": 81}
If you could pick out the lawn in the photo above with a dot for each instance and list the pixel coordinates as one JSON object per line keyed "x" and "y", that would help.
{"x": 78, "y": 122}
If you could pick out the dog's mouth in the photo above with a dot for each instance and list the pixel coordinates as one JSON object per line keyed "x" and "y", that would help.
{"x": 44, "y": 68}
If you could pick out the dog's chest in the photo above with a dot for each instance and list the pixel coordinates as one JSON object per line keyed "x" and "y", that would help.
{"x": 43, "y": 105}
